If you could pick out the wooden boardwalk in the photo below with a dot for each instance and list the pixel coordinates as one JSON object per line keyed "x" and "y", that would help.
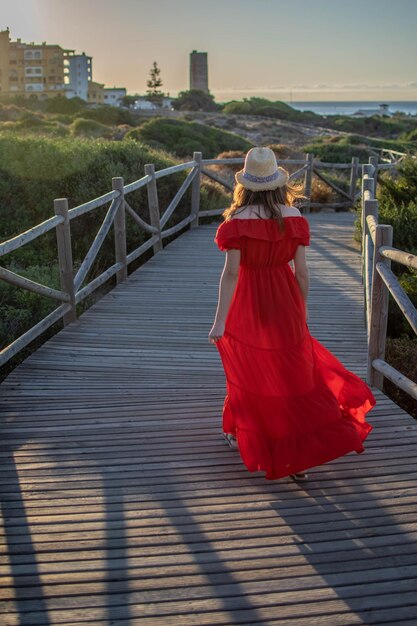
{"x": 122, "y": 505}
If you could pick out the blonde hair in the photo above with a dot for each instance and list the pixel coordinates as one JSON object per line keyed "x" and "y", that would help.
{"x": 270, "y": 199}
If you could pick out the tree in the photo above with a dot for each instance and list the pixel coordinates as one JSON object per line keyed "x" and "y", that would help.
{"x": 129, "y": 100}
{"x": 153, "y": 84}
{"x": 195, "y": 100}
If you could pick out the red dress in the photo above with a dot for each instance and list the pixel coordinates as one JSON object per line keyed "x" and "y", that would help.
{"x": 289, "y": 401}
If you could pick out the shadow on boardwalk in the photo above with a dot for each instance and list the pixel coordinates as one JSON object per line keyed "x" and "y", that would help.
{"x": 122, "y": 505}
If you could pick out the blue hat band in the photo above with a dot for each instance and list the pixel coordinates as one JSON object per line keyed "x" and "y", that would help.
{"x": 261, "y": 179}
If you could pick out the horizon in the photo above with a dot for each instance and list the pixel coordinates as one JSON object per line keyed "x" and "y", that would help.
{"x": 319, "y": 65}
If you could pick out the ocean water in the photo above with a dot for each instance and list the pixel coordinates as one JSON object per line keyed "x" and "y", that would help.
{"x": 350, "y": 107}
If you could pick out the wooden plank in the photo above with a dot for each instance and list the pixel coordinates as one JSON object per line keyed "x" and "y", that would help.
{"x": 122, "y": 504}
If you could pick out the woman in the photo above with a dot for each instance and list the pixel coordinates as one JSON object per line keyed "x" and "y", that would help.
{"x": 290, "y": 403}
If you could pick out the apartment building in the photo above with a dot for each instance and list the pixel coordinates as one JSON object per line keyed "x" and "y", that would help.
{"x": 31, "y": 70}
{"x": 79, "y": 73}
{"x": 46, "y": 70}
{"x": 114, "y": 95}
{"x": 95, "y": 92}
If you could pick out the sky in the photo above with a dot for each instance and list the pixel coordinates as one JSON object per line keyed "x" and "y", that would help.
{"x": 290, "y": 50}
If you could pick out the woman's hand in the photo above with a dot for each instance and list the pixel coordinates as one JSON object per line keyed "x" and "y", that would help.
{"x": 216, "y": 332}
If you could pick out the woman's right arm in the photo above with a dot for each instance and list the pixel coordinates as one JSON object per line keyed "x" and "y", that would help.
{"x": 301, "y": 272}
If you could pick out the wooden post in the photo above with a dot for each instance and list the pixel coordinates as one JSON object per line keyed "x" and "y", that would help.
{"x": 63, "y": 240}
{"x": 353, "y": 178}
{"x": 370, "y": 207}
{"x": 119, "y": 225}
{"x": 153, "y": 204}
{"x": 195, "y": 190}
{"x": 373, "y": 160}
{"x": 368, "y": 172}
{"x": 379, "y": 307}
{"x": 308, "y": 179}
{"x": 367, "y": 185}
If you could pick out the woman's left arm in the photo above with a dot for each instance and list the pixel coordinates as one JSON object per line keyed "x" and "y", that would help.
{"x": 227, "y": 286}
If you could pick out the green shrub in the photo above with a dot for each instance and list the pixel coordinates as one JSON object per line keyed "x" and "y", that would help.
{"x": 195, "y": 100}
{"x": 61, "y": 117}
{"x": 382, "y": 126}
{"x": 62, "y": 104}
{"x": 184, "y": 138}
{"x": 237, "y": 108}
{"x": 35, "y": 126}
{"x": 108, "y": 115}
{"x": 401, "y": 353}
{"x": 269, "y": 108}
{"x": 34, "y": 170}
{"x": 410, "y": 136}
{"x": 398, "y": 325}
{"x": 337, "y": 150}
{"x": 10, "y": 112}
{"x": 20, "y": 307}
{"x": 398, "y": 204}
{"x": 88, "y": 128}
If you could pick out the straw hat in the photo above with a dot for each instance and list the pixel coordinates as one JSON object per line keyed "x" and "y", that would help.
{"x": 261, "y": 171}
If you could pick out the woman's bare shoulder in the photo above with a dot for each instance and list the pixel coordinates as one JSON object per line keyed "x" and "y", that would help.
{"x": 290, "y": 210}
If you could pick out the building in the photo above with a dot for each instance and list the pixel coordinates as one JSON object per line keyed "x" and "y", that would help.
{"x": 114, "y": 95}
{"x": 78, "y": 74}
{"x": 46, "y": 70}
{"x": 29, "y": 69}
{"x": 95, "y": 92}
{"x": 199, "y": 71}
{"x": 382, "y": 110}
{"x": 146, "y": 105}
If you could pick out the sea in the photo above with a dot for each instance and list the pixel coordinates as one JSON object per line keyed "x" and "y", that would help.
{"x": 350, "y": 107}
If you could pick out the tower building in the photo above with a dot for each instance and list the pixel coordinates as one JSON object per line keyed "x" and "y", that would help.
{"x": 199, "y": 71}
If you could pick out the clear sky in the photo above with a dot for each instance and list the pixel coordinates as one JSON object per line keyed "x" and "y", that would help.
{"x": 281, "y": 49}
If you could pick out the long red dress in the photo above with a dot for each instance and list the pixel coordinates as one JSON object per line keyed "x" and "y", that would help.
{"x": 289, "y": 401}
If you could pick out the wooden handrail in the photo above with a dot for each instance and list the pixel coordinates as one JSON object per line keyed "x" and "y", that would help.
{"x": 379, "y": 281}
{"x": 20, "y": 281}
{"x": 398, "y": 293}
{"x": 404, "y": 383}
{"x": 29, "y": 235}
{"x": 72, "y": 292}
{"x": 410, "y": 260}
{"x": 97, "y": 243}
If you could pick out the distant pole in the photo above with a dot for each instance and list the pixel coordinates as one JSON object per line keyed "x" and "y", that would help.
{"x": 373, "y": 160}
{"x": 353, "y": 178}
{"x": 308, "y": 179}
{"x": 195, "y": 190}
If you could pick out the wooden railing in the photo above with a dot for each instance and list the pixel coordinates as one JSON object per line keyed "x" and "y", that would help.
{"x": 73, "y": 290}
{"x": 379, "y": 281}
{"x": 307, "y": 170}
{"x": 386, "y": 155}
